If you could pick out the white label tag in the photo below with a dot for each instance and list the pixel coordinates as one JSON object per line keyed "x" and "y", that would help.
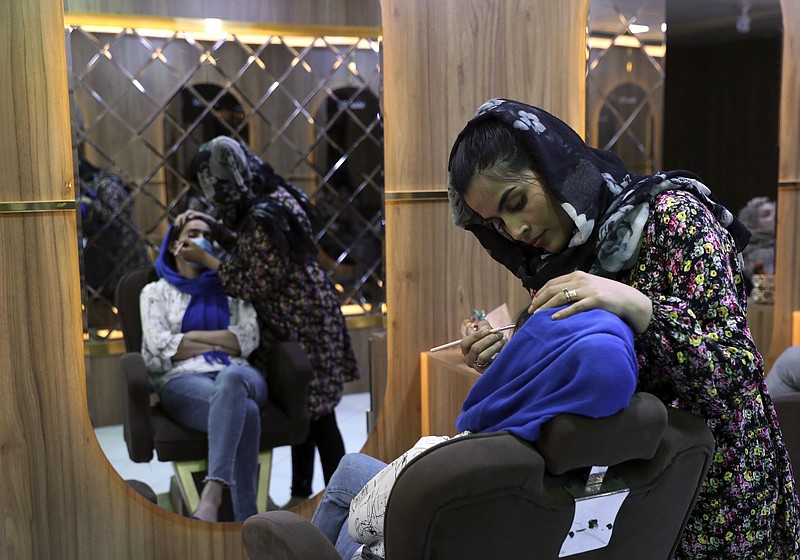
{"x": 592, "y": 523}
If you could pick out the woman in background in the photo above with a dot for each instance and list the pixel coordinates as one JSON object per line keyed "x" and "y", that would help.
{"x": 758, "y": 216}
{"x": 271, "y": 262}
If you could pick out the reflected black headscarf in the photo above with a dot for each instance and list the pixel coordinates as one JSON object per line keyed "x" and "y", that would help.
{"x": 231, "y": 174}
{"x": 609, "y": 205}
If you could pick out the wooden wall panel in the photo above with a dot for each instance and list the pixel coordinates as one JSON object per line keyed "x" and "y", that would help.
{"x": 787, "y": 250}
{"x": 59, "y": 496}
{"x": 303, "y": 12}
{"x": 441, "y": 60}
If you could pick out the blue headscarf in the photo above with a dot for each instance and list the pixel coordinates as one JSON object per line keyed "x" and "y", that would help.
{"x": 584, "y": 364}
{"x": 208, "y": 308}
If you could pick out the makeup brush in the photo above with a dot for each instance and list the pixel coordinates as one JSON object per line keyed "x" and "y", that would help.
{"x": 457, "y": 342}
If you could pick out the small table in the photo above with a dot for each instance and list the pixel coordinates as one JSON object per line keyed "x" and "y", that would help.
{"x": 446, "y": 380}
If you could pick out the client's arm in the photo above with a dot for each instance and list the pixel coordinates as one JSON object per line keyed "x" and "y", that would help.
{"x": 222, "y": 340}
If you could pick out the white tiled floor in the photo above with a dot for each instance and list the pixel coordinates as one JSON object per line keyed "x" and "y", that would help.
{"x": 350, "y": 415}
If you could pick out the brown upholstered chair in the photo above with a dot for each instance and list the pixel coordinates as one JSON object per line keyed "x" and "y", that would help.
{"x": 284, "y": 421}
{"x": 497, "y": 496}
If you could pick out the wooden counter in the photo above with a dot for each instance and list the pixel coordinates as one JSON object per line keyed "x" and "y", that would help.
{"x": 760, "y": 318}
{"x": 446, "y": 380}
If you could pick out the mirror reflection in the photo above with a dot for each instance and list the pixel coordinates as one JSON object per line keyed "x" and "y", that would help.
{"x": 143, "y": 102}
{"x": 306, "y": 105}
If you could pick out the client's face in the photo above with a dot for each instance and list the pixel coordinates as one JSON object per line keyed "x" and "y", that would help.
{"x": 524, "y": 209}
{"x": 195, "y": 229}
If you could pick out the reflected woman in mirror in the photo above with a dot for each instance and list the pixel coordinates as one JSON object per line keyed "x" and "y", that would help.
{"x": 272, "y": 262}
{"x": 195, "y": 342}
{"x": 759, "y": 255}
{"x": 582, "y": 231}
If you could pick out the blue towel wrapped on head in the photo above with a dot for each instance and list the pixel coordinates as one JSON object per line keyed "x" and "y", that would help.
{"x": 584, "y": 364}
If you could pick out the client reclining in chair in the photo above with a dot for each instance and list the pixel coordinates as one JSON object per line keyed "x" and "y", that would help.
{"x": 584, "y": 364}
{"x": 195, "y": 344}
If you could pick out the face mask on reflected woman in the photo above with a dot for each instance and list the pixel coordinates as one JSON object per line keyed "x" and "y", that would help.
{"x": 204, "y": 244}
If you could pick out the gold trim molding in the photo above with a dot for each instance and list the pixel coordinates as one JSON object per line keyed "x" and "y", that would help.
{"x": 397, "y": 196}
{"x": 114, "y": 23}
{"x": 22, "y": 206}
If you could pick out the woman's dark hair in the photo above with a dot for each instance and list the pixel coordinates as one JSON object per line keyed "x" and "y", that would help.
{"x": 492, "y": 149}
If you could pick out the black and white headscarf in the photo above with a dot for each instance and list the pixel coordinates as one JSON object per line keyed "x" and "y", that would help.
{"x": 608, "y": 204}
{"x": 231, "y": 174}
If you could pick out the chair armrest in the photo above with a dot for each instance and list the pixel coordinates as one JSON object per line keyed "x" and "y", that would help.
{"x": 136, "y": 408}
{"x": 283, "y": 535}
{"x": 288, "y": 376}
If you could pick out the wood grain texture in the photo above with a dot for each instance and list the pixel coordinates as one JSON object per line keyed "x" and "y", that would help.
{"x": 59, "y": 496}
{"x": 760, "y": 318}
{"x": 441, "y": 61}
{"x": 446, "y": 382}
{"x": 787, "y": 256}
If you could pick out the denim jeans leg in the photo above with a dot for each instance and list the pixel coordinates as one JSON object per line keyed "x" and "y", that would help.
{"x": 185, "y": 399}
{"x": 234, "y": 433}
{"x": 346, "y": 546}
{"x": 354, "y": 471}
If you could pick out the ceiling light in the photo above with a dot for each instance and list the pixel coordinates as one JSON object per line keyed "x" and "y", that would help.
{"x": 636, "y": 28}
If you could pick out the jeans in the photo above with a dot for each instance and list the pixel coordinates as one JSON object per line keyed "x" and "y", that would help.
{"x": 227, "y": 405}
{"x": 353, "y": 473}
{"x": 324, "y": 435}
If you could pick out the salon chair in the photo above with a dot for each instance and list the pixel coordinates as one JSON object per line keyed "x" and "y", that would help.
{"x": 284, "y": 420}
{"x": 494, "y": 495}
{"x": 788, "y": 409}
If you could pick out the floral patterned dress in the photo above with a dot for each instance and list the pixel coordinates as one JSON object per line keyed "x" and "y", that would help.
{"x": 294, "y": 301}
{"x": 698, "y": 355}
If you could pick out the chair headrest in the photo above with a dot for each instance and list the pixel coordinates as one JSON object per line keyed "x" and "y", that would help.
{"x": 569, "y": 441}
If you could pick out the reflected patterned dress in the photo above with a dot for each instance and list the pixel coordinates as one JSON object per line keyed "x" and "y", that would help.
{"x": 698, "y": 355}
{"x": 294, "y": 301}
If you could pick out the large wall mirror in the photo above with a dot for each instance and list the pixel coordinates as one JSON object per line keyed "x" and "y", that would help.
{"x": 145, "y": 95}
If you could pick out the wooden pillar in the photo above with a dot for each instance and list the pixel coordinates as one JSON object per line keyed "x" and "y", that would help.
{"x": 787, "y": 252}
{"x": 59, "y": 496}
{"x": 442, "y": 59}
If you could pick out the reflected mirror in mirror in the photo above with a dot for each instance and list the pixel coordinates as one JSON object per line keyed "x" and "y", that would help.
{"x": 143, "y": 101}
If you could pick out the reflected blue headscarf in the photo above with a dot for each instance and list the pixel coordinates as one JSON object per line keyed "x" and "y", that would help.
{"x": 208, "y": 308}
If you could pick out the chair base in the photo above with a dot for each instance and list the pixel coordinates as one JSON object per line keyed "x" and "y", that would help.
{"x": 185, "y": 493}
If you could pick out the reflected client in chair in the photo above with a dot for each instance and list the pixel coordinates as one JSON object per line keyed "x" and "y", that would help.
{"x": 585, "y": 365}
{"x": 195, "y": 344}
